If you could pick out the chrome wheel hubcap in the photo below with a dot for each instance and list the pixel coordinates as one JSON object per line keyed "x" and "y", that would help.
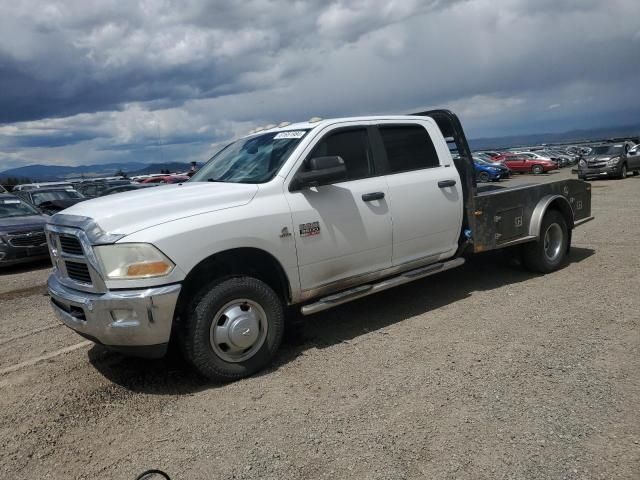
{"x": 553, "y": 241}
{"x": 238, "y": 330}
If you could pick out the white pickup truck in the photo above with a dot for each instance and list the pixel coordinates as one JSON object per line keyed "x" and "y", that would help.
{"x": 311, "y": 215}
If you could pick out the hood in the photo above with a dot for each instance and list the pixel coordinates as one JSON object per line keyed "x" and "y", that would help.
{"x": 128, "y": 212}
{"x": 600, "y": 158}
{"x": 22, "y": 224}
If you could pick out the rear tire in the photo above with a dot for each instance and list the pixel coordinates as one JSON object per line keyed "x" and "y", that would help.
{"x": 233, "y": 328}
{"x": 537, "y": 169}
{"x": 549, "y": 252}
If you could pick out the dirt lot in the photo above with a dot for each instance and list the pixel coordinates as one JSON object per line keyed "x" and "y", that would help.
{"x": 482, "y": 372}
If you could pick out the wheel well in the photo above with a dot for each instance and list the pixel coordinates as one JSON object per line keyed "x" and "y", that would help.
{"x": 564, "y": 208}
{"x": 232, "y": 263}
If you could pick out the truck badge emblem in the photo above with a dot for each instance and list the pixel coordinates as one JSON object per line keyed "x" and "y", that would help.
{"x": 284, "y": 233}
{"x": 309, "y": 229}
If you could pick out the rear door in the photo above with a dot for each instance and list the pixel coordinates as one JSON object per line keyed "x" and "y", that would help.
{"x": 425, "y": 192}
{"x": 342, "y": 230}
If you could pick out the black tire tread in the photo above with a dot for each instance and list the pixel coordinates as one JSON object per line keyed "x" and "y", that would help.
{"x": 533, "y": 252}
{"x": 197, "y": 323}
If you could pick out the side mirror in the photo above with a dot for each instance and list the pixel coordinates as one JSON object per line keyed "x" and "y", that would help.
{"x": 321, "y": 170}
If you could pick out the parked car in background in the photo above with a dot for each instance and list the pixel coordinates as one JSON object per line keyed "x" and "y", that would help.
{"x": 486, "y": 171}
{"x": 610, "y": 160}
{"x": 96, "y": 189}
{"x": 527, "y": 164}
{"x": 540, "y": 156}
{"x": 128, "y": 188}
{"x": 51, "y": 200}
{"x": 37, "y": 186}
{"x": 22, "y": 236}
{"x": 166, "y": 179}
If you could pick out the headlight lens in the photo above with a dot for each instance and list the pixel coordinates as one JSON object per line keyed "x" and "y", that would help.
{"x": 132, "y": 260}
{"x": 613, "y": 161}
{"x": 582, "y": 163}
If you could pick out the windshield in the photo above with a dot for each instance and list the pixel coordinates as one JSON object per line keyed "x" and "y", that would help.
{"x": 607, "y": 150}
{"x": 52, "y": 195}
{"x": 250, "y": 160}
{"x": 12, "y": 207}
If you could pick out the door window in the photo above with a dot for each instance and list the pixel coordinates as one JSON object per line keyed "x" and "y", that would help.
{"x": 408, "y": 147}
{"x": 353, "y": 147}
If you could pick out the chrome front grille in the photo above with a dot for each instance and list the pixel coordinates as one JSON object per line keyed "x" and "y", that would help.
{"x": 78, "y": 271}
{"x": 71, "y": 245}
{"x": 28, "y": 239}
{"x": 74, "y": 262}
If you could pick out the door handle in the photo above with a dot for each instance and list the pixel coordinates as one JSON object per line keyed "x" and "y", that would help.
{"x": 446, "y": 183}
{"x": 370, "y": 197}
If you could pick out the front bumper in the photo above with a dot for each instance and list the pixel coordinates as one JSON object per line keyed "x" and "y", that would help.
{"x": 14, "y": 255}
{"x": 137, "y": 322}
{"x": 599, "y": 171}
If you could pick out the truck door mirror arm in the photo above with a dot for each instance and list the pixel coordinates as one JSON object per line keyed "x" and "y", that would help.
{"x": 320, "y": 171}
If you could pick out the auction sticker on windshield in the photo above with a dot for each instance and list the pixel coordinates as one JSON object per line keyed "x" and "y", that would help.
{"x": 10, "y": 201}
{"x": 290, "y": 134}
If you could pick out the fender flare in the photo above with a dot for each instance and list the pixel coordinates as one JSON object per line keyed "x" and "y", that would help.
{"x": 543, "y": 205}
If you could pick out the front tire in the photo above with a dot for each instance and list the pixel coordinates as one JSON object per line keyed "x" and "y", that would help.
{"x": 233, "y": 328}
{"x": 483, "y": 177}
{"x": 537, "y": 169}
{"x": 549, "y": 252}
{"x": 623, "y": 172}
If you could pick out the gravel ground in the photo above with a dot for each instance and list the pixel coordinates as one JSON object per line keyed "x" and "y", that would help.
{"x": 484, "y": 372}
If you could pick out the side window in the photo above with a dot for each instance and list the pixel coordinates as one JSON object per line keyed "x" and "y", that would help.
{"x": 408, "y": 147}
{"x": 353, "y": 147}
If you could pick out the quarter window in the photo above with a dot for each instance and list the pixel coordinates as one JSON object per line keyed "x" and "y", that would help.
{"x": 353, "y": 147}
{"x": 408, "y": 147}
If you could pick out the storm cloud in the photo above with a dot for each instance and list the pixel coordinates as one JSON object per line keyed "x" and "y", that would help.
{"x": 106, "y": 80}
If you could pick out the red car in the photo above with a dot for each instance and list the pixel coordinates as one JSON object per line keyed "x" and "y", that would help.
{"x": 167, "y": 179}
{"x": 522, "y": 164}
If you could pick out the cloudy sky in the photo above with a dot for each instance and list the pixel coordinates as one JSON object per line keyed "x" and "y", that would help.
{"x": 84, "y": 82}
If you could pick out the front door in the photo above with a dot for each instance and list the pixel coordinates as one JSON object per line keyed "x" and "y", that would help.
{"x": 342, "y": 230}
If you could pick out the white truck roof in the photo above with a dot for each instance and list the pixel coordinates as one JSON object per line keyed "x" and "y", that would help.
{"x": 331, "y": 121}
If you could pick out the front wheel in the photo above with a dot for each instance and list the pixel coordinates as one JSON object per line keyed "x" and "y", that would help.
{"x": 623, "y": 172}
{"x": 537, "y": 169}
{"x": 483, "y": 177}
{"x": 233, "y": 328}
{"x": 549, "y": 252}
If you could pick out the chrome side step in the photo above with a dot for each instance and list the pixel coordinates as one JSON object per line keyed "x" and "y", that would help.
{"x": 364, "y": 290}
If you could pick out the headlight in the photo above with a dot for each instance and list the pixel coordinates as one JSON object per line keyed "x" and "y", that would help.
{"x": 132, "y": 260}
{"x": 582, "y": 163}
{"x": 613, "y": 161}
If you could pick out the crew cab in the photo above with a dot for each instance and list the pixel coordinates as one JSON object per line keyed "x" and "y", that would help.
{"x": 309, "y": 215}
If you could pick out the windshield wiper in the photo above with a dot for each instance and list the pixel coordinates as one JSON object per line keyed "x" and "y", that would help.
{"x": 215, "y": 181}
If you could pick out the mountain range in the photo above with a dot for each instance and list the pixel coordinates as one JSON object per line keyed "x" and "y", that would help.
{"x": 61, "y": 172}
